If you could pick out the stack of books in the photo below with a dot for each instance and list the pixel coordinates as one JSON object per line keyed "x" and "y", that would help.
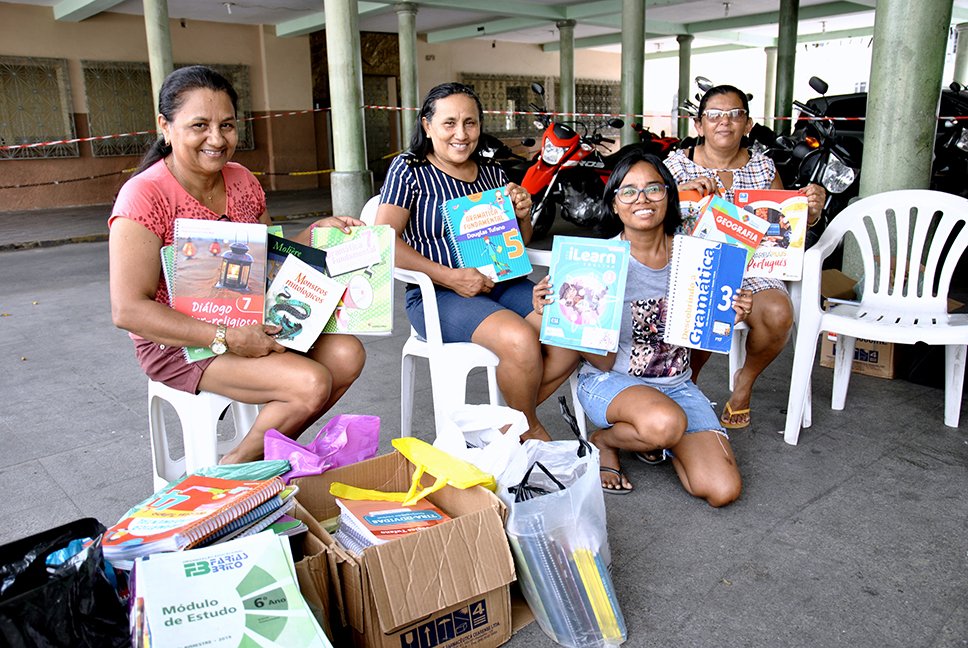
{"x": 364, "y": 523}
{"x": 195, "y": 512}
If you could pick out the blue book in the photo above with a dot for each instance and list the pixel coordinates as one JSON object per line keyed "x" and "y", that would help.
{"x": 483, "y": 233}
{"x": 704, "y": 275}
{"x": 588, "y": 276}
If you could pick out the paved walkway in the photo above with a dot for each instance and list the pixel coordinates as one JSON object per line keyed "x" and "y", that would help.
{"x": 49, "y": 227}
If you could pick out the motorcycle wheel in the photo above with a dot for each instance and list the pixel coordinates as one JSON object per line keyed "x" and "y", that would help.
{"x": 546, "y": 219}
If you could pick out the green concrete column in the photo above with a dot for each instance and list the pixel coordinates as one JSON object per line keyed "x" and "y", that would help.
{"x": 633, "y": 64}
{"x": 685, "y": 80}
{"x": 769, "y": 85}
{"x": 961, "y": 54}
{"x": 566, "y": 59}
{"x": 351, "y": 182}
{"x": 159, "y": 45}
{"x": 902, "y": 104}
{"x": 786, "y": 61}
{"x": 407, "y": 38}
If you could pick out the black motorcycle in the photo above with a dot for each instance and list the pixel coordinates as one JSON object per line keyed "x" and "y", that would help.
{"x": 949, "y": 172}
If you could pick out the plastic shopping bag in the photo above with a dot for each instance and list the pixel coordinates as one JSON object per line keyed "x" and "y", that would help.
{"x": 345, "y": 439}
{"x": 70, "y": 603}
{"x": 448, "y": 470}
{"x": 556, "y": 528}
{"x": 488, "y": 436}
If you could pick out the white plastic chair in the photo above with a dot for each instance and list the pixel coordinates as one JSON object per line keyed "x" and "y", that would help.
{"x": 199, "y": 415}
{"x": 451, "y": 362}
{"x": 901, "y": 301}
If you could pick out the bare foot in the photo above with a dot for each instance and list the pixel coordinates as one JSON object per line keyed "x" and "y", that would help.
{"x": 536, "y": 432}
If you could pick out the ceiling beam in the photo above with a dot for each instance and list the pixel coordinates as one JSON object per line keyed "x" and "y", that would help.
{"x": 712, "y": 49}
{"x": 491, "y": 28}
{"x": 78, "y": 10}
{"x": 595, "y": 41}
{"x": 317, "y": 21}
{"x": 812, "y": 12}
{"x": 510, "y": 8}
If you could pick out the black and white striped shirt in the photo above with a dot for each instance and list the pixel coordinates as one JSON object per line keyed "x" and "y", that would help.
{"x": 420, "y": 187}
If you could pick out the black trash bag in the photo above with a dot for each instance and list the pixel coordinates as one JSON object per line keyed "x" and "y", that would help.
{"x": 74, "y": 606}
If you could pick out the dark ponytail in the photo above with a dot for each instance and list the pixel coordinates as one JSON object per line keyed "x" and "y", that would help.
{"x": 172, "y": 96}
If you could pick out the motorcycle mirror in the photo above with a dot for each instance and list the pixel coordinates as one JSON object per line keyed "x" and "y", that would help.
{"x": 703, "y": 83}
{"x": 528, "y": 141}
{"x": 615, "y": 122}
{"x": 819, "y": 85}
{"x": 537, "y": 88}
{"x": 956, "y": 87}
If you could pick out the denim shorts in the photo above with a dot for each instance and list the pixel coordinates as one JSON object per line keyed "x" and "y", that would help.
{"x": 460, "y": 316}
{"x": 597, "y": 389}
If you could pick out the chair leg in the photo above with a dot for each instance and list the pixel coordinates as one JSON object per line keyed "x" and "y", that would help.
{"x": 804, "y": 353}
{"x": 201, "y": 436}
{"x": 450, "y": 393}
{"x": 407, "y": 378}
{"x": 737, "y": 354}
{"x": 494, "y": 395}
{"x": 843, "y": 363}
{"x": 164, "y": 467}
{"x": 954, "y": 382}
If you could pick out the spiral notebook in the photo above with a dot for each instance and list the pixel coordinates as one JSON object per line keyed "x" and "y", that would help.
{"x": 704, "y": 275}
{"x": 183, "y": 514}
{"x": 483, "y": 233}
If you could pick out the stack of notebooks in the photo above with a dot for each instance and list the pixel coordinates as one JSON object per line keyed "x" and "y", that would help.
{"x": 199, "y": 511}
{"x": 364, "y": 523}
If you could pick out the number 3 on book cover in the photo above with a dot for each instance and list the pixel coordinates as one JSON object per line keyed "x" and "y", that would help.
{"x": 483, "y": 233}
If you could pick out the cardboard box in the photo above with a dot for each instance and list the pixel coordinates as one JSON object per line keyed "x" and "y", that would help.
{"x": 871, "y": 358}
{"x": 445, "y": 586}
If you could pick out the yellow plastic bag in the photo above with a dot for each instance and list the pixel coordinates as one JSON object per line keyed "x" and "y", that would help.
{"x": 447, "y": 469}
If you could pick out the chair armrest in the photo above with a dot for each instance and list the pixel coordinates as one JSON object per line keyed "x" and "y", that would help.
{"x": 429, "y": 295}
{"x": 539, "y": 257}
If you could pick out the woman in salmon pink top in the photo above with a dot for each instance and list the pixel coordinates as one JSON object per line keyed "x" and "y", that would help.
{"x": 188, "y": 174}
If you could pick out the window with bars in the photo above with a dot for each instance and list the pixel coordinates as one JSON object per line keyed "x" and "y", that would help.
{"x": 119, "y": 101}
{"x": 35, "y": 107}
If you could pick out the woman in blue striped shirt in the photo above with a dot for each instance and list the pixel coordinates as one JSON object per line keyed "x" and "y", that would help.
{"x": 441, "y": 164}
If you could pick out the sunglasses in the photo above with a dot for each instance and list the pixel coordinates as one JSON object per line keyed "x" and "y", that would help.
{"x": 735, "y": 114}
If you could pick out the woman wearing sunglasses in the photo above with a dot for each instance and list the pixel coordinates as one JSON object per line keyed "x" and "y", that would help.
{"x": 641, "y": 397}
{"x": 719, "y": 163}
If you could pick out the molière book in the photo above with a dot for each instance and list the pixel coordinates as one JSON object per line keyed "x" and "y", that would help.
{"x": 219, "y": 272}
{"x": 483, "y": 233}
{"x": 363, "y": 262}
{"x": 723, "y": 221}
{"x": 589, "y": 277}
{"x": 704, "y": 275}
{"x": 280, "y": 248}
{"x": 780, "y": 253}
{"x": 301, "y": 300}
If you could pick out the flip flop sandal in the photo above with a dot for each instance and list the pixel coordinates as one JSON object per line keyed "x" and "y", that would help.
{"x": 728, "y": 414}
{"x": 653, "y": 457}
{"x": 621, "y": 490}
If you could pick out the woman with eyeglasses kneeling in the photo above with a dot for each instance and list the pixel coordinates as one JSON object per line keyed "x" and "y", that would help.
{"x": 718, "y": 163}
{"x": 641, "y": 397}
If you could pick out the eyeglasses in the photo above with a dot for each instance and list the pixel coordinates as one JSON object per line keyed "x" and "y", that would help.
{"x": 735, "y": 114}
{"x": 629, "y": 194}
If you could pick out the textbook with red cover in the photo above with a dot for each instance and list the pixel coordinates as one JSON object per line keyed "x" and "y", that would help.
{"x": 723, "y": 221}
{"x": 183, "y": 514}
{"x": 780, "y": 254}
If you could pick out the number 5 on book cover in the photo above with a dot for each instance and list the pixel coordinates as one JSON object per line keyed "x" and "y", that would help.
{"x": 483, "y": 233}
{"x": 589, "y": 280}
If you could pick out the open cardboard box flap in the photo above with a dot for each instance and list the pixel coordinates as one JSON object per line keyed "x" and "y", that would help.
{"x": 414, "y": 576}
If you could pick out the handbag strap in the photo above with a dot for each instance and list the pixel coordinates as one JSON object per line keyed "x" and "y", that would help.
{"x": 584, "y": 447}
{"x": 524, "y": 492}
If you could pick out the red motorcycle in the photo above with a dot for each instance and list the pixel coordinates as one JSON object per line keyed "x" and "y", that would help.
{"x": 569, "y": 172}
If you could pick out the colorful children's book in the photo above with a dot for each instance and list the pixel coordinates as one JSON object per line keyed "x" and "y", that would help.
{"x": 691, "y": 205}
{"x": 483, "y": 233}
{"x": 363, "y": 262}
{"x": 780, "y": 254}
{"x": 367, "y": 522}
{"x": 280, "y": 248}
{"x": 219, "y": 273}
{"x": 589, "y": 277}
{"x": 183, "y": 515}
{"x": 723, "y": 221}
{"x": 301, "y": 300}
{"x": 704, "y": 275}
{"x": 240, "y": 593}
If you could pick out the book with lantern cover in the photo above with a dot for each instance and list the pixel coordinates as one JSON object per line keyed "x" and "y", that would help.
{"x": 218, "y": 274}
{"x": 363, "y": 262}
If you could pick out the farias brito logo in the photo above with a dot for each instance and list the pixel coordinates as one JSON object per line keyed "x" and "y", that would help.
{"x": 215, "y": 564}
{"x": 196, "y": 568}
